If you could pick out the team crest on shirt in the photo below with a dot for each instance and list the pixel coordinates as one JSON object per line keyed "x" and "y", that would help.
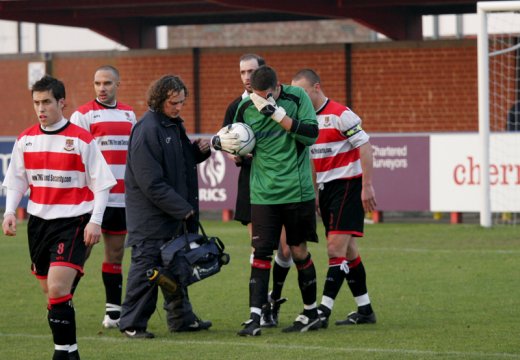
{"x": 69, "y": 145}
{"x": 326, "y": 121}
{"x": 128, "y": 116}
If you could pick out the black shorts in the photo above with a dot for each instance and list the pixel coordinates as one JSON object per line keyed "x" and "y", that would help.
{"x": 243, "y": 204}
{"x": 341, "y": 207}
{"x": 57, "y": 242}
{"x": 114, "y": 221}
{"x": 299, "y": 220}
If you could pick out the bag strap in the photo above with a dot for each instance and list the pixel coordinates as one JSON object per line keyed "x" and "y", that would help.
{"x": 220, "y": 244}
{"x": 202, "y": 229}
{"x": 185, "y": 227}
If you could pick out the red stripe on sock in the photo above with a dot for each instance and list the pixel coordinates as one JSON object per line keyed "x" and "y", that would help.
{"x": 304, "y": 265}
{"x": 354, "y": 263}
{"x": 114, "y": 232}
{"x": 112, "y": 268}
{"x": 336, "y": 261}
{"x": 261, "y": 264}
{"x": 54, "y": 301}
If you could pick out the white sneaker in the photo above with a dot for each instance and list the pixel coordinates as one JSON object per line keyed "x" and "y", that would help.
{"x": 109, "y": 323}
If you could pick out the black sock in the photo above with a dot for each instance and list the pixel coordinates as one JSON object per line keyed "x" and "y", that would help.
{"x": 307, "y": 280}
{"x": 357, "y": 282}
{"x": 259, "y": 282}
{"x": 113, "y": 281}
{"x": 279, "y": 275}
{"x": 335, "y": 277}
{"x": 61, "y": 318}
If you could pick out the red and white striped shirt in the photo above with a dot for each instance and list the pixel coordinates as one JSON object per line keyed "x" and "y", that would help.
{"x": 61, "y": 168}
{"x": 111, "y": 127}
{"x": 336, "y": 151}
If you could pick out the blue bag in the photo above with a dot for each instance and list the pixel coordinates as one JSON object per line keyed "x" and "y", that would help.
{"x": 191, "y": 257}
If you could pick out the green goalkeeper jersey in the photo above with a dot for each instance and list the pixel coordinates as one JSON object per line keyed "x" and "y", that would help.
{"x": 281, "y": 168}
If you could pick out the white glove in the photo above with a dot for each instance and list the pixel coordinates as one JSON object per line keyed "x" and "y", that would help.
{"x": 268, "y": 107}
{"x": 226, "y": 141}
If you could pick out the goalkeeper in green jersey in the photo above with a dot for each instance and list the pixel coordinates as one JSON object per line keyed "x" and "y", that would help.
{"x": 282, "y": 192}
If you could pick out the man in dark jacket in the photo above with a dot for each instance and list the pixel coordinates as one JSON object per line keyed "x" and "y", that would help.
{"x": 161, "y": 193}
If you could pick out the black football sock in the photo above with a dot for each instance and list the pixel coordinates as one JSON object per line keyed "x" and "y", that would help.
{"x": 333, "y": 281}
{"x": 259, "y": 282}
{"x": 280, "y": 270}
{"x": 113, "y": 281}
{"x": 356, "y": 280}
{"x": 61, "y": 318}
{"x": 307, "y": 284}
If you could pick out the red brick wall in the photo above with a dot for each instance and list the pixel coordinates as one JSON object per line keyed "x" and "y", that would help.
{"x": 409, "y": 87}
{"x": 138, "y": 69}
{"x": 396, "y": 86}
{"x": 15, "y": 101}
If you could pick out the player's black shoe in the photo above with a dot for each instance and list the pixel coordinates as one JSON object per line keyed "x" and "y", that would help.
{"x": 266, "y": 319}
{"x": 251, "y": 328}
{"x": 355, "y": 318}
{"x": 324, "y": 313}
{"x": 138, "y": 334}
{"x": 197, "y": 325}
{"x": 303, "y": 324}
{"x": 275, "y": 308}
{"x": 270, "y": 312}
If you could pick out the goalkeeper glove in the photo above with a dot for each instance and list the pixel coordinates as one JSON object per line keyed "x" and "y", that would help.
{"x": 226, "y": 141}
{"x": 268, "y": 107}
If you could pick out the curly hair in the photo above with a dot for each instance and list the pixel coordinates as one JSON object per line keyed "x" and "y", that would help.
{"x": 162, "y": 89}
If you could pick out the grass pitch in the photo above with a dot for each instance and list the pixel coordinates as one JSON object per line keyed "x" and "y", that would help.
{"x": 440, "y": 291}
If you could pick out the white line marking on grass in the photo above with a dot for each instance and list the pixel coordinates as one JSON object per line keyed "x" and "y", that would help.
{"x": 445, "y": 251}
{"x": 270, "y": 346}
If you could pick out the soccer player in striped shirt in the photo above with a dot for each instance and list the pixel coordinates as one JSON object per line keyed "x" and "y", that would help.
{"x": 342, "y": 159}
{"x": 69, "y": 182}
{"x": 110, "y": 122}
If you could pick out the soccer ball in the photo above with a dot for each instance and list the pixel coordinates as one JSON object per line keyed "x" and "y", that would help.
{"x": 246, "y": 136}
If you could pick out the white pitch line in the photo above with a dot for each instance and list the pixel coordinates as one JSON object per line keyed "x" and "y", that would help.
{"x": 286, "y": 346}
{"x": 445, "y": 251}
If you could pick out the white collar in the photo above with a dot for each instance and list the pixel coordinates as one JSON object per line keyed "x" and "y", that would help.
{"x": 55, "y": 126}
{"x": 322, "y": 105}
{"x": 108, "y": 105}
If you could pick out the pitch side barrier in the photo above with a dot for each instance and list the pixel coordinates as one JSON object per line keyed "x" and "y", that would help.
{"x": 413, "y": 172}
{"x": 401, "y": 176}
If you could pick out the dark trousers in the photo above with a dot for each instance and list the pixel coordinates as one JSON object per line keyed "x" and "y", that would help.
{"x": 141, "y": 297}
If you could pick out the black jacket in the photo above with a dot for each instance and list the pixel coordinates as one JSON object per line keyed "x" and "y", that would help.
{"x": 161, "y": 178}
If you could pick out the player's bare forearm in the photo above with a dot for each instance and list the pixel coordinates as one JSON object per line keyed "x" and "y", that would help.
{"x": 368, "y": 196}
